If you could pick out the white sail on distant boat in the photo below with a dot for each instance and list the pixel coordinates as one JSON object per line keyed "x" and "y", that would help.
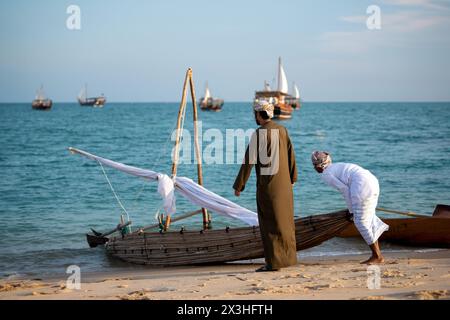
{"x": 40, "y": 95}
{"x": 207, "y": 92}
{"x": 296, "y": 93}
{"x": 282, "y": 80}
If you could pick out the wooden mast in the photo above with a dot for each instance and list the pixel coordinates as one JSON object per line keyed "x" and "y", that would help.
{"x": 188, "y": 80}
{"x": 197, "y": 147}
{"x": 180, "y": 115}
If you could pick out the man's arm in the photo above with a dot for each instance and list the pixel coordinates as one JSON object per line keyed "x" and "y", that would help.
{"x": 246, "y": 167}
{"x": 243, "y": 175}
{"x": 291, "y": 159}
{"x": 343, "y": 188}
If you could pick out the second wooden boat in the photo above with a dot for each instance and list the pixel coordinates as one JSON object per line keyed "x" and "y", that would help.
{"x": 432, "y": 231}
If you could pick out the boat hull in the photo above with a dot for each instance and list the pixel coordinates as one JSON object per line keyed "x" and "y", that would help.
{"x": 211, "y": 105}
{"x": 217, "y": 246}
{"x": 92, "y": 102}
{"x": 284, "y": 104}
{"x": 42, "y": 104}
{"x": 427, "y": 232}
{"x": 282, "y": 112}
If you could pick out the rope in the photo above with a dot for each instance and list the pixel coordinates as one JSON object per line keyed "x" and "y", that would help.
{"x": 114, "y": 192}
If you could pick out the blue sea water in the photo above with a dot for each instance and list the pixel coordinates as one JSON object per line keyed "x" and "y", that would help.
{"x": 49, "y": 198}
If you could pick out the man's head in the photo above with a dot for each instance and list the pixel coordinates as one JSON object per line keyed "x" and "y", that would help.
{"x": 263, "y": 111}
{"x": 321, "y": 160}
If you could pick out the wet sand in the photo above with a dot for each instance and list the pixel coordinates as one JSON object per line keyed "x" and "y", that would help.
{"x": 405, "y": 275}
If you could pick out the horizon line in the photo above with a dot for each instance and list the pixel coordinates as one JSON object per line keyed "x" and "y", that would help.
{"x": 243, "y": 101}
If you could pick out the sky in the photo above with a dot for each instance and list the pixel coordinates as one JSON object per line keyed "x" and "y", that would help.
{"x": 138, "y": 51}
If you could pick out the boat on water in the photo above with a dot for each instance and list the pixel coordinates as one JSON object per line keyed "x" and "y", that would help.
{"x": 420, "y": 230}
{"x": 183, "y": 247}
{"x": 203, "y": 244}
{"x": 209, "y": 103}
{"x": 284, "y": 103}
{"x": 84, "y": 100}
{"x": 41, "y": 102}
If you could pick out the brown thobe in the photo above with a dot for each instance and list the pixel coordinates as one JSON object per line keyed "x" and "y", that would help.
{"x": 274, "y": 195}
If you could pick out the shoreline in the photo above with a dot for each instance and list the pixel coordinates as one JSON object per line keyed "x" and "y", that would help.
{"x": 405, "y": 275}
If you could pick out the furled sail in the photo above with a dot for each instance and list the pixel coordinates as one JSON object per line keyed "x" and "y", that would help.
{"x": 83, "y": 93}
{"x": 296, "y": 92}
{"x": 40, "y": 95}
{"x": 192, "y": 191}
{"x": 267, "y": 86}
{"x": 282, "y": 80}
{"x": 207, "y": 93}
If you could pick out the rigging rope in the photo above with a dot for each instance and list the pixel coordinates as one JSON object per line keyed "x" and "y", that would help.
{"x": 114, "y": 192}
{"x": 166, "y": 143}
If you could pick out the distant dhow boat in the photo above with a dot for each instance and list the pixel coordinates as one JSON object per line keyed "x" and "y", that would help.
{"x": 41, "y": 102}
{"x": 284, "y": 102}
{"x": 208, "y": 103}
{"x": 83, "y": 99}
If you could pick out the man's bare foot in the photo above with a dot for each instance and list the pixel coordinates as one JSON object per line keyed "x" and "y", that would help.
{"x": 374, "y": 260}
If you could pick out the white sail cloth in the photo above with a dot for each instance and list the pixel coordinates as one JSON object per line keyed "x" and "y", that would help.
{"x": 187, "y": 187}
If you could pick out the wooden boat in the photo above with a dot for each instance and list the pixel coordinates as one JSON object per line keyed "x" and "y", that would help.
{"x": 215, "y": 246}
{"x": 425, "y": 231}
{"x": 284, "y": 103}
{"x": 41, "y": 102}
{"x": 208, "y": 103}
{"x": 190, "y": 247}
{"x": 83, "y": 99}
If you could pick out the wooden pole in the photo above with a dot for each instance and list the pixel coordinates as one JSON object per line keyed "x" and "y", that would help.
{"x": 197, "y": 147}
{"x": 409, "y": 214}
{"x": 178, "y": 134}
{"x": 180, "y": 115}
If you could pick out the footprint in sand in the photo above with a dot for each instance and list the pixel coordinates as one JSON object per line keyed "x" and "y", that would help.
{"x": 371, "y": 298}
{"x": 19, "y": 285}
{"x": 431, "y": 294}
{"x": 136, "y": 295}
{"x": 392, "y": 274}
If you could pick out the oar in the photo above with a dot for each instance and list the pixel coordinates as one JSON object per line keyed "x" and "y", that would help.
{"x": 409, "y": 213}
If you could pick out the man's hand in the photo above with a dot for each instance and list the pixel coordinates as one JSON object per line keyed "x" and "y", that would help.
{"x": 237, "y": 193}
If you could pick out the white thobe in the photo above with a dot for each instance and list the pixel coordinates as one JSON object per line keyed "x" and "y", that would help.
{"x": 360, "y": 190}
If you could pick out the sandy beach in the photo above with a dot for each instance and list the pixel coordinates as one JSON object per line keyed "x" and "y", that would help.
{"x": 406, "y": 275}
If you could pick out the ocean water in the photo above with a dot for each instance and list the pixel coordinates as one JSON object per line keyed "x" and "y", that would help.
{"x": 49, "y": 198}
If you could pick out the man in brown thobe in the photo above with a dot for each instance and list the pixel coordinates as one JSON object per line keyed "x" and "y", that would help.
{"x": 276, "y": 173}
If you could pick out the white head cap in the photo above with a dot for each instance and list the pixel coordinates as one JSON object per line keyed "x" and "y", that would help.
{"x": 264, "y": 105}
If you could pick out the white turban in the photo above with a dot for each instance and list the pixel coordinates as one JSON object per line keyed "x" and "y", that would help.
{"x": 321, "y": 159}
{"x": 264, "y": 105}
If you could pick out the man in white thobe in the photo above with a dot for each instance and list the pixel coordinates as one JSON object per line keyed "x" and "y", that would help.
{"x": 360, "y": 190}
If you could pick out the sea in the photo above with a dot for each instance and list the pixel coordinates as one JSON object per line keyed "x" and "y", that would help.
{"x": 50, "y": 198}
